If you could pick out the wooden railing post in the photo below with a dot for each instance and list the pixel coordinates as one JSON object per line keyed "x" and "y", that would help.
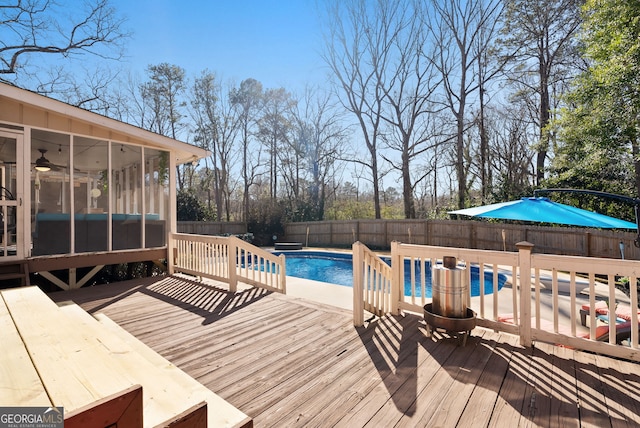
{"x": 524, "y": 263}
{"x": 283, "y": 275}
{"x": 171, "y": 254}
{"x": 358, "y": 285}
{"x": 397, "y": 282}
{"x": 232, "y": 247}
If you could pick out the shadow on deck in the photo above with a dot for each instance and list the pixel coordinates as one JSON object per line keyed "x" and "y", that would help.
{"x": 293, "y": 362}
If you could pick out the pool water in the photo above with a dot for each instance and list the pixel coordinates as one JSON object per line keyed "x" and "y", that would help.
{"x": 337, "y": 268}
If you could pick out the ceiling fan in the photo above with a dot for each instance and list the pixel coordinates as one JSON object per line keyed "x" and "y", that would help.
{"x": 42, "y": 163}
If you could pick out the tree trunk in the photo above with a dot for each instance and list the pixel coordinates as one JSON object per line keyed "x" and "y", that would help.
{"x": 376, "y": 187}
{"x": 544, "y": 121}
{"x": 462, "y": 179}
{"x": 407, "y": 188}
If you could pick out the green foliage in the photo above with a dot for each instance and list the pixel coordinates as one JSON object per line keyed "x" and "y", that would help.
{"x": 163, "y": 165}
{"x": 598, "y": 130}
{"x": 190, "y": 208}
{"x": 350, "y": 209}
{"x": 302, "y": 210}
{"x": 266, "y": 220}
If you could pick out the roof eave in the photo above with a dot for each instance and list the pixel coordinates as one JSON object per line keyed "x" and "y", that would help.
{"x": 184, "y": 152}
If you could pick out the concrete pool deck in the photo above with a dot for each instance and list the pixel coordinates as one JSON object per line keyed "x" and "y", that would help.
{"x": 330, "y": 294}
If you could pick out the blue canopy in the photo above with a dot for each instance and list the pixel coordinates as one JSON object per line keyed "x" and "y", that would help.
{"x": 544, "y": 210}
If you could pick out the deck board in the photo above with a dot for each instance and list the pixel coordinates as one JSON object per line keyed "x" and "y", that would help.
{"x": 564, "y": 407}
{"x": 291, "y": 362}
{"x": 454, "y": 402}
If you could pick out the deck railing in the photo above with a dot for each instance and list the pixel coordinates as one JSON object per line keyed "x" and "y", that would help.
{"x": 550, "y": 298}
{"x": 227, "y": 259}
{"x": 372, "y": 283}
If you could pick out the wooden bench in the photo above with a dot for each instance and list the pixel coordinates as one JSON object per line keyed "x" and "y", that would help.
{"x": 85, "y": 364}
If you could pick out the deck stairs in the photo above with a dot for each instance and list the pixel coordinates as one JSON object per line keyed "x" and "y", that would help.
{"x": 14, "y": 273}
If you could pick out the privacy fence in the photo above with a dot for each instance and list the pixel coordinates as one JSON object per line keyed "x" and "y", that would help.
{"x": 212, "y": 227}
{"x": 379, "y": 234}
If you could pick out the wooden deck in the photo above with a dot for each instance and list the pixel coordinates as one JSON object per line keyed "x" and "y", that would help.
{"x": 291, "y": 362}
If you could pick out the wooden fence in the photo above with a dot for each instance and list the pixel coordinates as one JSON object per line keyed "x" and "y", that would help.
{"x": 212, "y": 227}
{"x": 482, "y": 235}
{"x": 379, "y": 234}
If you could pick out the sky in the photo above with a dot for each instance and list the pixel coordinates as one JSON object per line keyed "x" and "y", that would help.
{"x": 276, "y": 42}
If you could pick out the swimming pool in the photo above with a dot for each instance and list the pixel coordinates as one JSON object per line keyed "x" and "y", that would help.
{"x": 337, "y": 268}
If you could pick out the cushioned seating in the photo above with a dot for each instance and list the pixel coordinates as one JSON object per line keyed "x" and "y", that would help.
{"x": 601, "y": 308}
{"x": 53, "y": 232}
{"x": 623, "y": 330}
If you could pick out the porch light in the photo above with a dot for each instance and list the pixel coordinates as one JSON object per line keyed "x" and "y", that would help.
{"x": 42, "y": 163}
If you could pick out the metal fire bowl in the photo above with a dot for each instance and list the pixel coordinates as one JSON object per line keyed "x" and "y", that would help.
{"x": 447, "y": 323}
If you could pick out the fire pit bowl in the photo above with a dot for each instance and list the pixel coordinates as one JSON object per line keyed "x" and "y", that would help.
{"x": 449, "y": 324}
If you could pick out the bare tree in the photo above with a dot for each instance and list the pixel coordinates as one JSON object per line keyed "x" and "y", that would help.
{"x": 318, "y": 142}
{"x": 226, "y": 147}
{"x": 163, "y": 99}
{"x": 409, "y": 85}
{"x": 510, "y": 153}
{"x": 42, "y": 29}
{"x": 357, "y": 51}
{"x": 489, "y": 65}
{"x": 247, "y": 100}
{"x": 205, "y": 116}
{"x": 459, "y": 32}
{"x": 274, "y": 128}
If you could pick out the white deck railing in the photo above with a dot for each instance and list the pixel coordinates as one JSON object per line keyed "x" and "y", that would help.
{"x": 373, "y": 276}
{"x": 541, "y": 299}
{"x": 227, "y": 259}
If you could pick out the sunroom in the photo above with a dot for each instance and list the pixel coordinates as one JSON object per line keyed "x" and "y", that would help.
{"x": 79, "y": 189}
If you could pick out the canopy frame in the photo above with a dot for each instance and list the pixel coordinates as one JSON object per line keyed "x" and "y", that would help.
{"x": 622, "y": 198}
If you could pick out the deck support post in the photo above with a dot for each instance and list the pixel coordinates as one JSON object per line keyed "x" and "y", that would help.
{"x": 524, "y": 255}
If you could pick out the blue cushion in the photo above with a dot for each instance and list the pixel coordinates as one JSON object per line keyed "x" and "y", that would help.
{"x": 53, "y": 217}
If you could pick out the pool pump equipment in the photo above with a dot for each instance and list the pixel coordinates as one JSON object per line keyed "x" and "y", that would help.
{"x": 449, "y": 308}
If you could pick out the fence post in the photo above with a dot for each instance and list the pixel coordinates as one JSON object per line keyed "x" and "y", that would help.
{"x": 588, "y": 244}
{"x": 524, "y": 262}
{"x": 232, "y": 248}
